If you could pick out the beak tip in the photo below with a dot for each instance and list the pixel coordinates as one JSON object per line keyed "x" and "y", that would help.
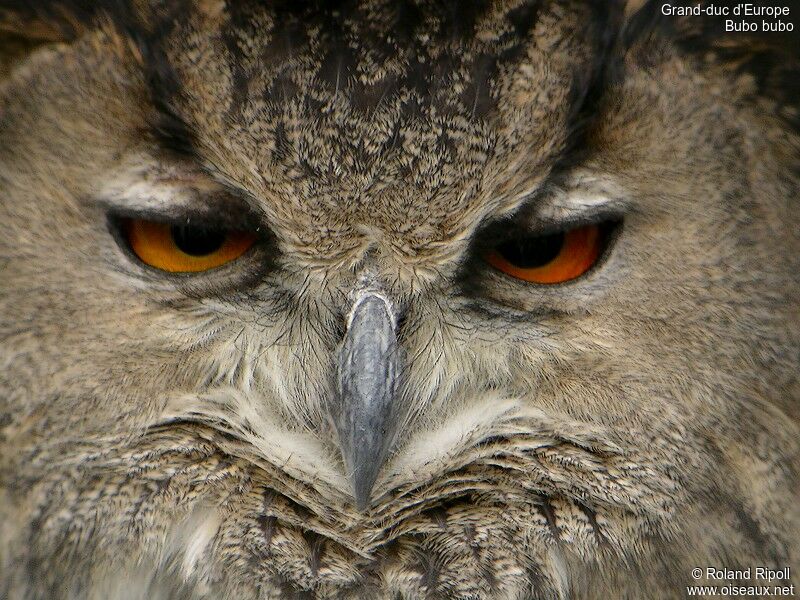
{"x": 363, "y": 503}
{"x": 363, "y": 484}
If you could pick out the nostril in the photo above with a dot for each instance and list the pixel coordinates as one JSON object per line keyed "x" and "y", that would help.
{"x": 401, "y": 322}
{"x": 339, "y": 327}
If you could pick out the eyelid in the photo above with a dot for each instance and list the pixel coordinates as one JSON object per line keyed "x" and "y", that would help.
{"x": 573, "y": 218}
{"x": 179, "y": 201}
{"x": 538, "y": 223}
{"x": 586, "y": 203}
{"x": 206, "y": 217}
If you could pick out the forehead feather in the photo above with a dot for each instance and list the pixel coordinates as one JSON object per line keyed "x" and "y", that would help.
{"x": 399, "y": 116}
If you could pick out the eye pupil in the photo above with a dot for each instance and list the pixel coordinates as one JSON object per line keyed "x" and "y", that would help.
{"x": 549, "y": 259}
{"x": 197, "y": 241}
{"x": 529, "y": 253}
{"x": 184, "y": 248}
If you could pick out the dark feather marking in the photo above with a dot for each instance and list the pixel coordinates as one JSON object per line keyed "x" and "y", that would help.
{"x": 368, "y": 97}
{"x": 428, "y": 569}
{"x": 267, "y": 525}
{"x": 462, "y": 17}
{"x": 238, "y": 21}
{"x": 169, "y": 128}
{"x": 339, "y": 46}
{"x": 438, "y": 515}
{"x": 477, "y": 93}
{"x": 524, "y": 17}
{"x": 590, "y": 83}
{"x": 549, "y": 514}
{"x": 486, "y": 569}
{"x": 316, "y": 544}
{"x": 407, "y": 21}
{"x": 339, "y": 62}
{"x": 292, "y": 592}
{"x": 290, "y": 37}
{"x": 303, "y": 513}
{"x": 763, "y": 544}
{"x": 266, "y": 522}
{"x": 283, "y": 147}
{"x": 591, "y": 515}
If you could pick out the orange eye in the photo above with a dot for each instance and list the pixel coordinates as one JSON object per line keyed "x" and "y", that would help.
{"x": 549, "y": 258}
{"x": 184, "y": 249}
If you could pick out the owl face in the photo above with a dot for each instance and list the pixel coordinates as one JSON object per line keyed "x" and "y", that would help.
{"x": 389, "y": 300}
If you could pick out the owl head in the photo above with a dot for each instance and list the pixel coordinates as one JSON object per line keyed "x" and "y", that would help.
{"x": 414, "y": 299}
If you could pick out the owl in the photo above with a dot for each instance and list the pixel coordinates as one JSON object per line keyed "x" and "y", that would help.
{"x": 396, "y": 300}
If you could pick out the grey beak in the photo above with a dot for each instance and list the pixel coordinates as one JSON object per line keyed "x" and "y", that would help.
{"x": 364, "y": 413}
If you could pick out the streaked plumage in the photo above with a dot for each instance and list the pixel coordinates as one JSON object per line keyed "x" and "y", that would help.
{"x": 179, "y": 436}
